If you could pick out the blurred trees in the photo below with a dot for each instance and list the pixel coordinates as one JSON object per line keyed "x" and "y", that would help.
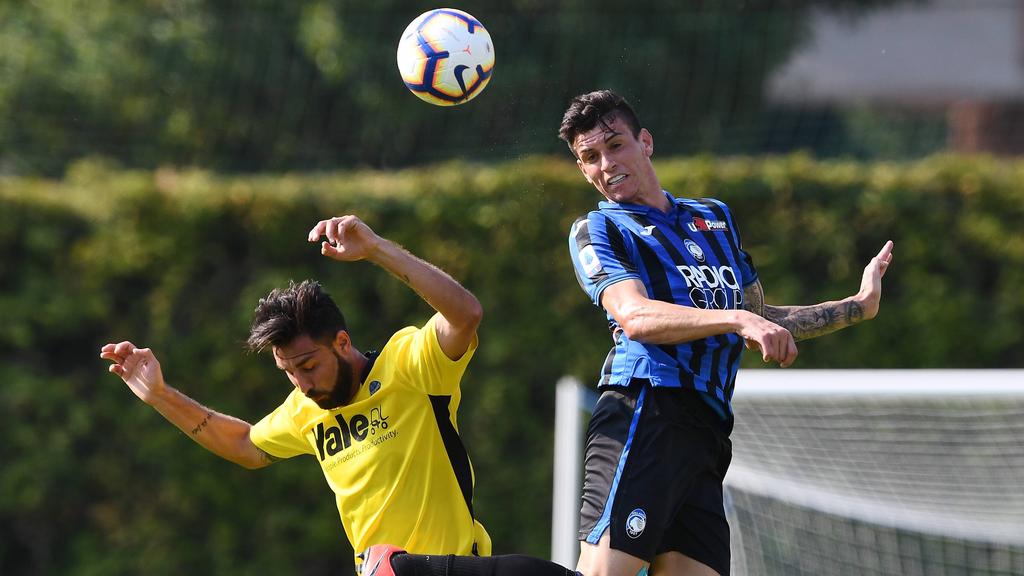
{"x": 94, "y": 482}
{"x": 272, "y": 85}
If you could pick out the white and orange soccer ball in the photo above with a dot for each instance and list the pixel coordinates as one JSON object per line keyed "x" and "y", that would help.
{"x": 446, "y": 57}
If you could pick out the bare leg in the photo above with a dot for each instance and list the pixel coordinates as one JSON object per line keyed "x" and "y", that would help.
{"x": 601, "y": 560}
{"x": 676, "y": 564}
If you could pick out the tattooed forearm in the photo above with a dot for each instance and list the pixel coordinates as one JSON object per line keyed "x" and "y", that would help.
{"x": 199, "y": 427}
{"x": 806, "y": 322}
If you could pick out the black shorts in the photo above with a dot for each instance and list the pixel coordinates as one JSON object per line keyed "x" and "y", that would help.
{"x": 656, "y": 458}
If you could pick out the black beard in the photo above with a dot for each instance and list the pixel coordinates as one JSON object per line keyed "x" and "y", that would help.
{"x": 344, "y": 386}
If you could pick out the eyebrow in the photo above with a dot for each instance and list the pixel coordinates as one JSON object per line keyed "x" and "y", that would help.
{"x": 297, "y": 359}
{"x": 609, "y": 134}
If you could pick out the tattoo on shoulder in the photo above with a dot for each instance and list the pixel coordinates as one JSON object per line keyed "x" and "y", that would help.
{"x": 202, "y": 425}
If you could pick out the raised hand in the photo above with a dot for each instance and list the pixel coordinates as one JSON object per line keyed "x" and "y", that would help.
{"x": 348, "y": 238}
{"x": 870, "y": 294}
{"x": 138, "y": 367}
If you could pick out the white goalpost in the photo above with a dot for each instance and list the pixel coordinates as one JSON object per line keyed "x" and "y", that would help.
{"x": 573, "y": 405}
{"x": 854, "y": 472}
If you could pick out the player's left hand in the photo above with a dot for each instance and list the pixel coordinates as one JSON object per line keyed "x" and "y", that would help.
{"x": 348, "y": 238}
{"x": 870, "y": 294}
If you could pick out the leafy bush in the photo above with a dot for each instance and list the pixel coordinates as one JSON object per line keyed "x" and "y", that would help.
{"x": 93, "y": 482}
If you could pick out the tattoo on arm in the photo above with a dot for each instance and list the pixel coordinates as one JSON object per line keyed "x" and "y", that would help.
{"x": 806, "y": 322}
{"x": 266, "y": 458}
{"x": 199, "y": 427}
{"x": 753, "y": 298}
{"x": 854, "y": 312}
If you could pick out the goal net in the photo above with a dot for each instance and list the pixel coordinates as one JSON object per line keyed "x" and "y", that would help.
{"x": 867, "y": 472}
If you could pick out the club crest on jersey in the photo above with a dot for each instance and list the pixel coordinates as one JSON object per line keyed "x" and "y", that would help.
{"x": 636, "y": 522}
{"x": 701, "y": 225}
{"x": 694, "y": 249}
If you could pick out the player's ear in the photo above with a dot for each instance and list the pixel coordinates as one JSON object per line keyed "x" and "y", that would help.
{"x": 341, "y": 341}
{"x": 648, "y": 142}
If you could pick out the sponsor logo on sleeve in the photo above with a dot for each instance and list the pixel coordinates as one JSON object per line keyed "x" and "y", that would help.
{"x": 589, "y": 262}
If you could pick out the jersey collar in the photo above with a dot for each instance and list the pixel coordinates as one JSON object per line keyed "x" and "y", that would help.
{"x": 640, "y": 208}
{"x": 371, "y": 358}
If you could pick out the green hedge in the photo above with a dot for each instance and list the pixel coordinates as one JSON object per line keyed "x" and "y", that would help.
{"x": 93, "y": 482}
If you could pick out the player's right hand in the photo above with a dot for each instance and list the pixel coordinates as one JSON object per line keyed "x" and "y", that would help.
{"x": 774, "y": 342}
{"x": 138, "y": 367}
{"x": 347, "y": 238}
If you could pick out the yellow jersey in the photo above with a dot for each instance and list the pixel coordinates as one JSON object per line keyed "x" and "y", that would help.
{"x": 393, "y": 456}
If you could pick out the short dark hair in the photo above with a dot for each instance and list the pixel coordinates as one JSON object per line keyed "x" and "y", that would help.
{"x": 287, "y": 313}
{"x": 586, "y": 110}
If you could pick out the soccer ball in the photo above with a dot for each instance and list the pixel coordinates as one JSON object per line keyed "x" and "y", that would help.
{"x": 446, "y": 57}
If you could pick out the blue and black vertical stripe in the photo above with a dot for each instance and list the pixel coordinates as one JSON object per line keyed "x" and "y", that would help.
{"x": 651, "y": 246}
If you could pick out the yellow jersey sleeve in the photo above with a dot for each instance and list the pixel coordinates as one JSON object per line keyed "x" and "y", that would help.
{"x": 277, "y": 435}
{"x": 426, "y": 365}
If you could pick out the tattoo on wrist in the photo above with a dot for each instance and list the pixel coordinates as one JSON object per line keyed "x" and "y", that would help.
{"x": 199, "y": 427}
{"x": 854, "y": 312}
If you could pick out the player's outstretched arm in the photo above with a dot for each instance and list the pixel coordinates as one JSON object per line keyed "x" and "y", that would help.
{"x": 806, "y": 322}
{"x": 658, "y": 322}
{"x": 348, "y": 239}
{"x": 225, "y": 436}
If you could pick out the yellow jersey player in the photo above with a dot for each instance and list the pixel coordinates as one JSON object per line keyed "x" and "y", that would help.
{"x": 381, "y": 425}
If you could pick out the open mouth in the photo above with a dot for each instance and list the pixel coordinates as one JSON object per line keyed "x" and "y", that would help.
{"x": 616, "y": 179}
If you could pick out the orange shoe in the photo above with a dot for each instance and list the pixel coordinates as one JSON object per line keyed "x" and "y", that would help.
{"x": 377, "y": 560}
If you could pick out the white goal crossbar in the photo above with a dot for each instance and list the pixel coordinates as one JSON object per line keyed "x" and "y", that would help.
{"x": 874, "y": 383}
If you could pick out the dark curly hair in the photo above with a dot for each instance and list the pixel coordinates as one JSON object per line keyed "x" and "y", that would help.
{"x": 586, "y": 110}
{"x": 287, "y": 313}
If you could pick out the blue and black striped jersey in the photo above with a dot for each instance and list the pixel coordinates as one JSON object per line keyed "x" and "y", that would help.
{"x": 690, "y": 256}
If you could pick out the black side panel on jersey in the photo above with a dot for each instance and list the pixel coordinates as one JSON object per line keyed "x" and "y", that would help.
{"x": 453, "y": 446}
